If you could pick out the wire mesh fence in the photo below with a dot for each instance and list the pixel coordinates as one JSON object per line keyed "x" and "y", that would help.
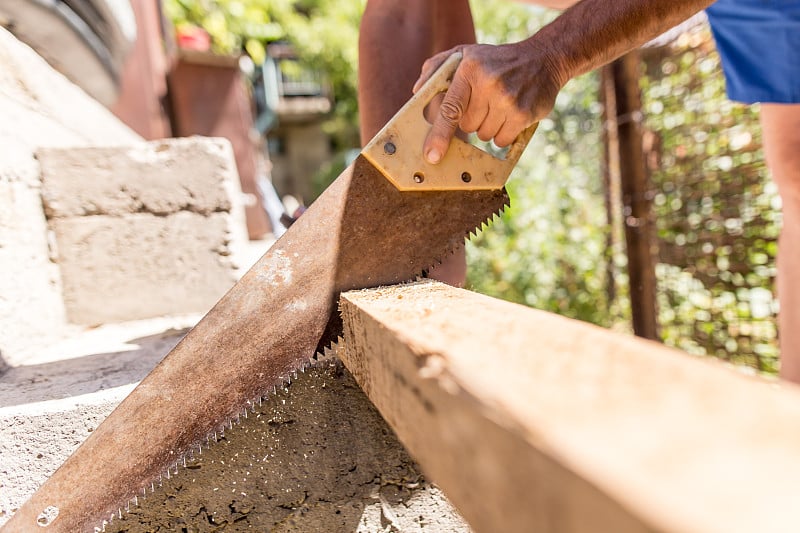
{"x": 716, "y": 211}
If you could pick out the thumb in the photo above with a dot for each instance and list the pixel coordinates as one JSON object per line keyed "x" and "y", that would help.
{"x": 445, "y": 123}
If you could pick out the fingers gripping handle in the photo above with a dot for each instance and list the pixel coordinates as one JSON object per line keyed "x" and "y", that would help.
{"x": 397, "y": 149}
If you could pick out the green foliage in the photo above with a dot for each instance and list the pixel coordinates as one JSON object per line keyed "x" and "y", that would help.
{"x": 233, "y": 25}
{"x": 549, "y": 249}
{"x": 323, "y": 32}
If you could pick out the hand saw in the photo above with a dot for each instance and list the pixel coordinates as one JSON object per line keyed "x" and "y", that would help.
{"x": 386, "y": 219}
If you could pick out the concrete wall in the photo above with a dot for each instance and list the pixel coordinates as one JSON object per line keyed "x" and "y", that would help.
{"x": 39, "y": 107}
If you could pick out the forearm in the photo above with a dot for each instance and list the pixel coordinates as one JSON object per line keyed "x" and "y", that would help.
{"x": 396, "y": 37}
{"x": 592, "y": 33}
{"x": 552, "y": 4}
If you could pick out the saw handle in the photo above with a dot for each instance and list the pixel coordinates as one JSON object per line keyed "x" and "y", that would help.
{"x": 397, "y": 149}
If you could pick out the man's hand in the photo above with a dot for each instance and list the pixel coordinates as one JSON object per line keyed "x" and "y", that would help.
{"x": 497, "y": 91}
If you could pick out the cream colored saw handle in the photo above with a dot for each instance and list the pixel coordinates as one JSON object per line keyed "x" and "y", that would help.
{"x": 397, "y": 149}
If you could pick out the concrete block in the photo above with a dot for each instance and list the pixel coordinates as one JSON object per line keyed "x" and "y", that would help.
{"x": 144, "y": 230}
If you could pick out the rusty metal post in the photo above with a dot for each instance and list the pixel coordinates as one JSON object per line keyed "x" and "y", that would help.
{"x": 636, "y": 195}
{"x": 610, "y": 171}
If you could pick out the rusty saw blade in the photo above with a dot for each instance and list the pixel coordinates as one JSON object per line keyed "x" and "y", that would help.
{"x": 361, "y": 232}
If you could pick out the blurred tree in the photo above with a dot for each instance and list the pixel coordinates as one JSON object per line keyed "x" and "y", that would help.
{"x": 717, "y": 211}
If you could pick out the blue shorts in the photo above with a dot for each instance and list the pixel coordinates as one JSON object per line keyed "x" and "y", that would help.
{"x": 759, "y": 43}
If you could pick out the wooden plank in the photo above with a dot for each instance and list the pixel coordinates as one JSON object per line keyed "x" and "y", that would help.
{"x": 534, "y": 422}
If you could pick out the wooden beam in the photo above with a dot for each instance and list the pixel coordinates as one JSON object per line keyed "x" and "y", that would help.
{"x": 533, "y": 422}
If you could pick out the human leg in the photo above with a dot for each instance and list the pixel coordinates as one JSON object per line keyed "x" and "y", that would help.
{"x": 758, "y": 42}
{"x": 781, "y": 130}
{"x": 396, "y": 37}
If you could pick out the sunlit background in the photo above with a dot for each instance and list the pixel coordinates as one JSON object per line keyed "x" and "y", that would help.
{"x": 286, "y": 71}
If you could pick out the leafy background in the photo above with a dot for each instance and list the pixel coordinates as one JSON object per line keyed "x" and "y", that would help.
{"x": 717, "y": 212}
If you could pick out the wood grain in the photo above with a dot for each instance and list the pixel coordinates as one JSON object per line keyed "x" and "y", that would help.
{"x": 534, "y": 422}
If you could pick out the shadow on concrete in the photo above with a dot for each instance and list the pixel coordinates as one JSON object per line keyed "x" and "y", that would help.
{"x": 4, "y": 366}
{"x": 87, "y": 374}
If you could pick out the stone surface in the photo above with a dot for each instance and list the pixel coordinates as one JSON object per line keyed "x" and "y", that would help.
{"x": 39, "y": 107}
{"x": 315, "y": 457}
{"x": 51, "y": 403}
{"x": 144, "y": 230}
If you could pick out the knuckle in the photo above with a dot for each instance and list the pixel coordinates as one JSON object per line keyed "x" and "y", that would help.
{"x": 451, "y": 111}
{"x": 428, "y": 64}
{"x": 506, "y": 99}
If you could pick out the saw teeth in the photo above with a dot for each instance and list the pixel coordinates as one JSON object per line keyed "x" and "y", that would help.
{"x": 217, "y": 435}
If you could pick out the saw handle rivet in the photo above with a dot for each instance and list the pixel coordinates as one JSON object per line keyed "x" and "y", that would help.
{"x": 466, "y": 177}
{"x": 389, "y": 148}
{"x": 419, "y": 177}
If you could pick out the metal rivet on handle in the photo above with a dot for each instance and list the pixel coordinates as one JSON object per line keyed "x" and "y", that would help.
{"x": 465, "y": 177}
{"x": 389, "y": 148}
{"x": 419, "y": 177}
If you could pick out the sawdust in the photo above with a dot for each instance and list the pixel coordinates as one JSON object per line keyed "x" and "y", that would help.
{"x": 316, "y": 457}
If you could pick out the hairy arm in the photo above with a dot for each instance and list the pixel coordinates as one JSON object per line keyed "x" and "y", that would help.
{"x": 593, "y": 32}
{"x": 500, "y": 90}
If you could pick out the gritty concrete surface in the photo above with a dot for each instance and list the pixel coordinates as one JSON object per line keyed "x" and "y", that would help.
{"x": 56, "y": 395}
{"x": 39, "y": 107}
{"x": 144, "y": 230}
{"x": 316, "y": 457}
